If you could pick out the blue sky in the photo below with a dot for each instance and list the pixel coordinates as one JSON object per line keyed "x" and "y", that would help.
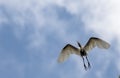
{"x": 33, "y": 32}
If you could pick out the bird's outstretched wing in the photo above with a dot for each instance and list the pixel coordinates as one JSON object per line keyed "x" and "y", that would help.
{"x": 66, "y": 51}
{"x": 93, "y": 42}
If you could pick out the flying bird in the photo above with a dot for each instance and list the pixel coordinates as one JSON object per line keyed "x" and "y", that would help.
{"x": 82, "y": 51}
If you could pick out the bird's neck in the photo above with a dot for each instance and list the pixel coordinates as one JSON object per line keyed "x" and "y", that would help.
{"x": 83, "y": 52}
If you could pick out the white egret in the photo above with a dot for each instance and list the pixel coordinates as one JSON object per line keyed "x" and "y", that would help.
{"x": 82, "y": 51}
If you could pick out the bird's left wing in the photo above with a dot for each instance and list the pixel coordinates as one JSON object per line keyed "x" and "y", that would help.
{"x": 93, "y": 42}
{"x": 66, "y": 51}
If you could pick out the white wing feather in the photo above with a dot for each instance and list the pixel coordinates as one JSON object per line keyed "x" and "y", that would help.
{"x": 93, "y": 42}
{"x": 66, "y": 51}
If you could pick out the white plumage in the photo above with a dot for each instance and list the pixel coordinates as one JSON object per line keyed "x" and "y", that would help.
{"x": 82, "y": 51}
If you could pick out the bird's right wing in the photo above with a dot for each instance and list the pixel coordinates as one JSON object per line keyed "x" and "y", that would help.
{"x": 66, "y": 51}
{"x": 93, "y": 42}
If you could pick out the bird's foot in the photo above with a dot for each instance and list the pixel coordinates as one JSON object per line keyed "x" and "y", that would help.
{"x": 89, "y": 66}
{"x": 85, "y": 67}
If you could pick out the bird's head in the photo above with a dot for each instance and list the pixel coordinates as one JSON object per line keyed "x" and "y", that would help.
{"x": 79, "y": 44}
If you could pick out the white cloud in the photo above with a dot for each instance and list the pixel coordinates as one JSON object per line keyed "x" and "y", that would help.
{"x": 104, "y": 19}
{"x": 97, "y": 15}
{"x": 29, "y": 12}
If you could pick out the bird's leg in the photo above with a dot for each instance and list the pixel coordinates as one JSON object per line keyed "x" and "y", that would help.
{"x": 84, "y": 63}
{"x": 89, "y": 66}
